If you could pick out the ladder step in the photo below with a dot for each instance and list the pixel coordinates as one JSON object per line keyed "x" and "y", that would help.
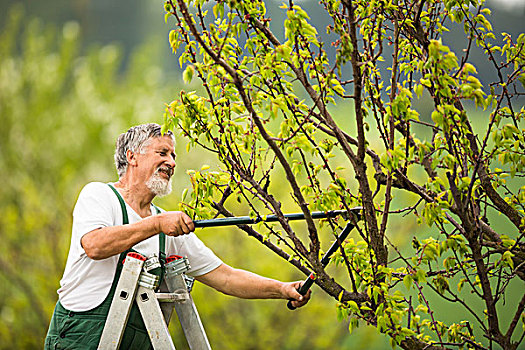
{"x": 172, "y": 297}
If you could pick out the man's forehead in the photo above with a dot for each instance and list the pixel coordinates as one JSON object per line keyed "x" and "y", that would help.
{"x": 160, "y": 141}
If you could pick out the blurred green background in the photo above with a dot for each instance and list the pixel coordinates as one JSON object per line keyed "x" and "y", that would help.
{"x": 73, "y": 75}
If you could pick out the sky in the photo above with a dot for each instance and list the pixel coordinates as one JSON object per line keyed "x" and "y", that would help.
{"x": 509, "y": 5}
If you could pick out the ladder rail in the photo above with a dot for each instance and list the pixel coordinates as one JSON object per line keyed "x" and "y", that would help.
{"x": 188, "y": 316}
{"x": 151, "y": 312}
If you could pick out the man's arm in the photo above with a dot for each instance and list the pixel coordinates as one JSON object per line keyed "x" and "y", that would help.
{"x": 108, "y": 241}
{"x": 244, "y": 284}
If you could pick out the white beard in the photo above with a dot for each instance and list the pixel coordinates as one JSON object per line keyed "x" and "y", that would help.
{"x": 158, "y": 185}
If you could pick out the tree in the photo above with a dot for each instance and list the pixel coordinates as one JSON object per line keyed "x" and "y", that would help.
{"x": 344, "y": 130}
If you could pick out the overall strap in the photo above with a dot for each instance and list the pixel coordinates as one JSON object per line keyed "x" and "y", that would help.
{"x": 125, "y": 221}
{"x": 162, "y": 238}
{"x": 162, "y": 248}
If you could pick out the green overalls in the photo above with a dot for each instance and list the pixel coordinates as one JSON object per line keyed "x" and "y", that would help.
{"x": 82, "y": 330}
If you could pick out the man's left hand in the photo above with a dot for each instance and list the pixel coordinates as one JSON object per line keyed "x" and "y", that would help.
{"x": 290, "y": 292}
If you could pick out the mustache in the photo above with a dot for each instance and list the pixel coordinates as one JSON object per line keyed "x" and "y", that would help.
{"x": 164, "y": 169}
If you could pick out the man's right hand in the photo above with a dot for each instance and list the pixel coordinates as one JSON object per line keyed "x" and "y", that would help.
{"x": 174, "y": 223}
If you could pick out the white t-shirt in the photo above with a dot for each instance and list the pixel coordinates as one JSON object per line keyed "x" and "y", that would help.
{"x": 86, "y": 282}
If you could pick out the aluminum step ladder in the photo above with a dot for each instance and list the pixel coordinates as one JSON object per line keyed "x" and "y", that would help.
{"x": 138, "y": 284}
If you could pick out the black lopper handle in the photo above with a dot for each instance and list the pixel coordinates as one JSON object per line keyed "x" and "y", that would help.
{"x": 303, "y": 289}
{"x": 246, "y": 220}
{"x": 324, "y": 261}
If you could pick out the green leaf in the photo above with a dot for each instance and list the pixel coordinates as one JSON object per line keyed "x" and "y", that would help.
{"x": 408, "y": 281}
{"x": 187, "y": 75}
{"x": 353, "y": 324}
{"x": 352, "y": 305}
{"x": 420, "y": 276}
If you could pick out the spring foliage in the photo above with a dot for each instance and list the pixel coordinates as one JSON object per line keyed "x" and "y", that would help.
{"x": 345, "y": 130}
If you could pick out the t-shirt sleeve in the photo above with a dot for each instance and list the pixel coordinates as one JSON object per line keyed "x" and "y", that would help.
{"x": 201, "y": 258}
{"x": 93, "y": 210}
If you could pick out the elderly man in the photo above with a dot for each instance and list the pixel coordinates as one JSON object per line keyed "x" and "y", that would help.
{"x": 109, "y": 220}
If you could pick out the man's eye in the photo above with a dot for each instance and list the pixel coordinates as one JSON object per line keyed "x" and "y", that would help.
{"x": 162, "y": 153}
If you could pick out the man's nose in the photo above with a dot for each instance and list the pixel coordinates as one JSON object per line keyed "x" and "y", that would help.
{"x": 171, "y": 162}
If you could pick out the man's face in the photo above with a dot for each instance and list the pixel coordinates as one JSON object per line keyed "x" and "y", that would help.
{"x": 157, "y": 164}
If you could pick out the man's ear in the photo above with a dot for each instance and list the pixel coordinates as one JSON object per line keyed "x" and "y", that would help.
{"x": 131, "y": 157}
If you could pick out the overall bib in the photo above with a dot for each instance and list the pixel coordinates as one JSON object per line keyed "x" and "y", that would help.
{"x": 82, "y": 330}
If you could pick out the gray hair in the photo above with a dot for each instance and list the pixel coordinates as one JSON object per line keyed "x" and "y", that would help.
{"x": 136, "y": 139}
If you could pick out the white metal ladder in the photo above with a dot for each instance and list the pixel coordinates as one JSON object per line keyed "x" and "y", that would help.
{"x": 137, "y": 284}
